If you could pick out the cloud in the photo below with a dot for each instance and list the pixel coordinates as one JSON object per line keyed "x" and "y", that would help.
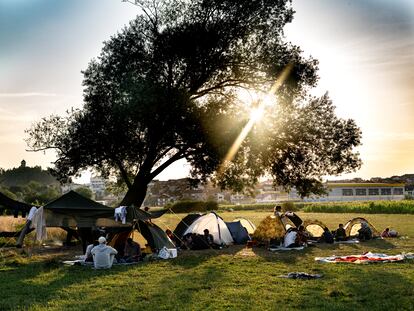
{"x": 28, "y": 94}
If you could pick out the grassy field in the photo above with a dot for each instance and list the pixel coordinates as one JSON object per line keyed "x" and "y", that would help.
{"x": 236, "y": 278}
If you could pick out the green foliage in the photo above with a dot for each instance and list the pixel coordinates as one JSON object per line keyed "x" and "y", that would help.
{"x": 165, "y": 89}
{"x": 193, "y": 206}
{"x": 85, "y": 191}
{"x": 373, "y": 207}
{"x": 23, "y": 175}
{"x": 286, "y": 206}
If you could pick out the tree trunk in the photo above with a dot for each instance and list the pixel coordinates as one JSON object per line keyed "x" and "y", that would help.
{"x": 136, "y": 194}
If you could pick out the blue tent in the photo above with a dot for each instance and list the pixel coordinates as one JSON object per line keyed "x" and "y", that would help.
{"x": 238, "y": 232}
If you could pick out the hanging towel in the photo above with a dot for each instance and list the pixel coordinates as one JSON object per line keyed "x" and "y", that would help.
{"x": 120, "y": 214}
{"x": 32, "y": 211}
{"x": 39, "y": 223}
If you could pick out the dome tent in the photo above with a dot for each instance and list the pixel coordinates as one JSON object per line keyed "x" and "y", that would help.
{"x": 250, "y": 227}
{"x": 353, "y": 225}
{"x": 215, "y": 225}
{"x": 184, "y": 224}
{"x": 270, "y": 228}
{"x": 238, "y": 232}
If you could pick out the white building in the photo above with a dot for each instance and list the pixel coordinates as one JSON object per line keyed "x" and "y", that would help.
{"x": 97, "y": 185}
{"x": 356, "y": 192}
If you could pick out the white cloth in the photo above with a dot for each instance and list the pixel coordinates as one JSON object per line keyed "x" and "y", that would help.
{"x": 31, "y": 213}
{"x": 103, "y": 256}
{"x": 120, "y": 214}
{"x": 290, "y": 238}
{"x": 39, "y": 223}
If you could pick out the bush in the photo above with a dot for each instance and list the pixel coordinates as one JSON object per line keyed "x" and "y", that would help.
{"x": 377, "y": 207}
{"x": 286, "y": 206}
{"x": 193, "y": 206}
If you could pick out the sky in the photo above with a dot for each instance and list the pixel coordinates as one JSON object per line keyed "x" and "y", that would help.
{"x": 365, "y": 50}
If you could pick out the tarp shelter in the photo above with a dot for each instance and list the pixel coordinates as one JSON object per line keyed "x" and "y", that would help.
{"x": 184, "y": 224}
{"x": 215, "y": 225}
{"x": 238, "y": 232}
{"x": 353, "y": 225}
{"x": 250, "y": 227}
{"x": 72, "y": 210}
{"x": 14, "y": 206}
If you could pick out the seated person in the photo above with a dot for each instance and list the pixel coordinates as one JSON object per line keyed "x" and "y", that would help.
{"x": 340, "y": 233}
{"x": 327, "y": 236}
{"x": 132, "y": 251}
{"x": 302, "y": 236}
{"x": 277, "y": 211}
{"x": 88, "y": 253}
{"x": 103, "y": 255}
{"x": 290, "y": 239}
{"x": 208, "y": 238}
{"x": 365, "y": 232}
{"x": 385, "y": 233}
{"x": 187, "y": 241}
{"x": 198, "y": 242}
{"x": 173, "y": 238}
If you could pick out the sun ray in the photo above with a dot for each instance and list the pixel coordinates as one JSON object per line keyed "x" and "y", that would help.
{"x": 255, "y": 115}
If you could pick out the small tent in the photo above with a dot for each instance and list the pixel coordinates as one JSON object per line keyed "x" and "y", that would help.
{"x": 353, "y": 225}
{"x": 314, "y": 227}
{"x": 238, "y": 232}
{"x": 144, "y": 233}
{"x": 250, "y": 227}
{"x": 184, "y": 224}
{"x": 215, "y": 225}
{"x": 270, "y": 228}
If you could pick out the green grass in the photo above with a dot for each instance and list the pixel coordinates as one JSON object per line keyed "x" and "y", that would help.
{"x": 235, "y": 278}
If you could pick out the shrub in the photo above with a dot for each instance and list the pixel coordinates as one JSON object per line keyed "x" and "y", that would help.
{"x": 377, "y": 207}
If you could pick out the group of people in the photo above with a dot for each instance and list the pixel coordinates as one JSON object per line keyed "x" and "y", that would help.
{"x": 296, "y": 237}
{"x": 103, "y": 256}
{"x": 196, "y": 241}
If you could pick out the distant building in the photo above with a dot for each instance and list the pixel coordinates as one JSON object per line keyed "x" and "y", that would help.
{"x": 97, "y": 185}
{"x": 356, "y": 192}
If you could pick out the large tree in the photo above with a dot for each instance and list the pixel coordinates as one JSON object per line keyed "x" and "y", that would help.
{"x": 167, "y": 87}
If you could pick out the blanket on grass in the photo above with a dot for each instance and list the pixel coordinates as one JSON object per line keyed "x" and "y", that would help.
{"x": 90, "y": 264}
{"x": 362, "y": 259}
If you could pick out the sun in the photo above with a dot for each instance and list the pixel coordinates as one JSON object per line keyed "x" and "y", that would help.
{"x": 255, "y": 103}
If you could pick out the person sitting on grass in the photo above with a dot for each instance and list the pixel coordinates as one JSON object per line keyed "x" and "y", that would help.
{"x": 173, "y": 238}
{"x": 132, "y": 251}
{"x": 302, "y": 236}
{"x": 327, "y": 236}
{"x": 365, "y": 233}
{"x": 385, "y": 233}
{"x": 103, "y": 255}
{"x": 290, "y": 239}
{"x": 208, "y": 238}
{"x": 277, "y": 211}
{"x": 340, "y": 233}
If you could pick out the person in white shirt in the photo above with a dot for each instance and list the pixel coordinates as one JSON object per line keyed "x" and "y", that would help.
{"x": 290, "y": 238}
{"x": 103, "y": 255}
